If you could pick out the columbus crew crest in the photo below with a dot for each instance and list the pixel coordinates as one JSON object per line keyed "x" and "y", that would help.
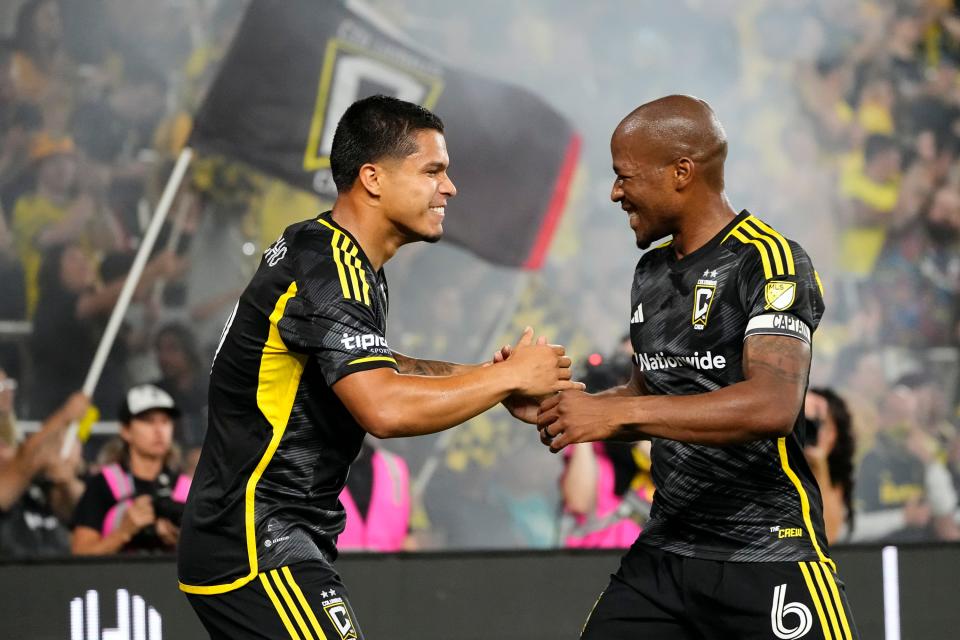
{"x": 780, "y": 295}
{"x": 703, "y": 296}
{"x": 340, "y": 617}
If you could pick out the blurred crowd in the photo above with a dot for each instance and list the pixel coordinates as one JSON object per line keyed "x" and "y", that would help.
{"x": 844, "y": 121}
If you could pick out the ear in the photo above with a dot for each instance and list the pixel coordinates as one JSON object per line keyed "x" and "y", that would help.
{"x": 370, "y": 176}
{"x": 683, "y": 171}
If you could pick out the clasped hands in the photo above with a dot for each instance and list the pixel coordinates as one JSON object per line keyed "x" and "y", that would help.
{"x": 564, "y": 416}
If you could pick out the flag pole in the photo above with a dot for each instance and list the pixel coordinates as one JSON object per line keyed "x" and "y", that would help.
{"x": 492, "y": 344}
{"x": 129, "y": 285}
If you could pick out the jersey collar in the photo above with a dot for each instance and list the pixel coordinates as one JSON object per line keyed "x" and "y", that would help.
{"x": 328, "y": 218}
{"x": 692, "y": 259}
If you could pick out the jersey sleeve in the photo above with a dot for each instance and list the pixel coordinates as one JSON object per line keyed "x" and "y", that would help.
{"x": 781, "y": 293}
{"x": 341, "y": 334}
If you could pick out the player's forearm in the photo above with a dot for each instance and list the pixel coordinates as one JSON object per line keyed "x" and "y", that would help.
{"x": 417, "y": 404}
{"x": 419, "y": 367}
{"x": 743, "y": 412}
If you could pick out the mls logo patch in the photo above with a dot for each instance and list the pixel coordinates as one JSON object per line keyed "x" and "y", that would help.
{"x": 702, "y": 302}
{"x": 340, "y": 617}
{"x": 780, "y": 295}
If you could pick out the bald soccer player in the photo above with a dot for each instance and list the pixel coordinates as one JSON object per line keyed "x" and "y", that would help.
{"x": 721, "y": 320}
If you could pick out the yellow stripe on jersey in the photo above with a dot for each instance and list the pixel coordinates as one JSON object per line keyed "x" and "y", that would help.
{"x": 841, "y": 612}
{"x": 290, "y": 605}
{"x": 373, "y": 359}
{"x": 791, "y": 267}
{"x": 279, "y": 607}
{"x": 303, "y": 603}
{"x": 345, "y": 256}
{"x": 365, "y": 284}
{"x": 338, "y": 259}
{"x": 819, "y": 282}
{"x": 360, "y": 288}
{"x": 771, "y": 243}
{"x": 762, "y": 248}
{"x": 816, "y": 570}
{"x": 817, "y": 604}
{"x": 804, "y": 501}
{"x": 277, "y": 383}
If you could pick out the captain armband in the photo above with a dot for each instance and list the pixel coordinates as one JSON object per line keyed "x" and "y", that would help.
{"x": 778, "y": 324}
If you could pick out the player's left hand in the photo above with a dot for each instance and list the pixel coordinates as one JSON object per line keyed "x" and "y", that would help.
{"x": 573, "y": 416}
{"x": 524, "y": 408}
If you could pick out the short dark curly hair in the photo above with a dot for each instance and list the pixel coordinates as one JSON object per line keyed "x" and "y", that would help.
{"x": 374, "y": 128}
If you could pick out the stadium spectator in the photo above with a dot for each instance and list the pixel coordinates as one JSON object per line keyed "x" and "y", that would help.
{"x": 12, "y": 298}
{"x": 919, "y": 274}
{"x": 136, "y": 504}
{"x": 16, "y": 120}
{"x": 859, "y": 379}
{"x": 68, "y": 325}
{"x": 184, "y": 377}
{"x": 40, "y": 61}
{"x": 377, "y": 502}
{"x": 904, "y": 492}
{"x": 38, "y": 487}
{"x": 53, "y": 214}
{"x": 606, "y": 486}
{"x": 829, "y": 452}
{"x": 870, "y": 186}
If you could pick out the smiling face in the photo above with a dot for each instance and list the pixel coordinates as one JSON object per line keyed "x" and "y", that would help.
{"x": 643, "y": 187}
{"x": 415, "y": 189}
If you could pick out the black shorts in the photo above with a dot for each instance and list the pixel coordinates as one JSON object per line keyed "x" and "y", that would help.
{"x": 657, "y": 595}
{"x": 303, "y": 601}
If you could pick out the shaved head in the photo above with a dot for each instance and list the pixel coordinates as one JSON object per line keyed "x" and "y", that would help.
{"x": 675, "y": 127}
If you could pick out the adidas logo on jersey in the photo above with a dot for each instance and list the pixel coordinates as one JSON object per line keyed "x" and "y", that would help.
{"x": 637, "y": 316}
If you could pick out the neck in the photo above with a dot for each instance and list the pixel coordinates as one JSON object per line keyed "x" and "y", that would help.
{"x": 377, "y": 237}
{"x": 704, "y": 221}
{"x": 145, "y": 467}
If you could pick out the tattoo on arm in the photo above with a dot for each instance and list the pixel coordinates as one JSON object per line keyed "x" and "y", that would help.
{"x": 783, "y": 358}
{"x": 414, "y": 366}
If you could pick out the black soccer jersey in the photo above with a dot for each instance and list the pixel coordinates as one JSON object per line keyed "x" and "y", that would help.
{"x": 750, "y": 502}
{"x": 279, "y": 441}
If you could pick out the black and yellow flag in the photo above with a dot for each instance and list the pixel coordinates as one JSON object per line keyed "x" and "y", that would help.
{"x": 296, "y": 65}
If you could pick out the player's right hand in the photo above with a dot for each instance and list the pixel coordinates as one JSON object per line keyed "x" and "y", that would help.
{"x": 539, "y": 368}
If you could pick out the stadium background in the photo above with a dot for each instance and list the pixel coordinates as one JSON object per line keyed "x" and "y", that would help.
{"x": 811, "y": 94}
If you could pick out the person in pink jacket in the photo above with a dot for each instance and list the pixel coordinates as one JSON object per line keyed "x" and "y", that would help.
{"x": 377, "y": 502}
{"x": 606, "y": 486}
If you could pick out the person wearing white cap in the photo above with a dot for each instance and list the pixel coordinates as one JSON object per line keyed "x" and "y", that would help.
{"x": 135, "y": 504}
